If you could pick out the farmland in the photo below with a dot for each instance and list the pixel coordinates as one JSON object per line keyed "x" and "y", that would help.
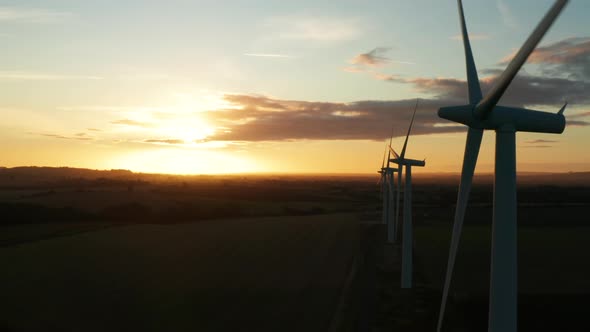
{"x": 122, "y": 251}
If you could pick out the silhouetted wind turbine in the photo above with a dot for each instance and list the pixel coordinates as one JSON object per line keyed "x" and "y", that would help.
{"x": 483, "y": 113}
{"x": 384, "y": 188}
{"x": 388, "y": 193}
{"x": 402, "y": 161}
{"x": 393, "y": 207}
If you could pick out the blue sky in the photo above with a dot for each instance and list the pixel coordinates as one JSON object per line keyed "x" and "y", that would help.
{"x": 67, "y": 66}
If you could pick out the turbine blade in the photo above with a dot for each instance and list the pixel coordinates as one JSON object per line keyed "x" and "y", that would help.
{"x": 388, "y": 158}
{"x": 469, "y": 160}
{"x": 472, "y": 79}
{"x": 394, "y": 153}
{"x": 409, "y": 130}
{"x": 384, "y": 152}
{"x": 483, "y": 109}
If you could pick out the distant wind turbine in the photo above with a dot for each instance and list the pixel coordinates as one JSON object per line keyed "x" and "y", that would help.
{"x": 483, "y": 113}
{"x": 388, "y": 195}
{"x": 407, "y": 243}
{"x": 384, "y": 190}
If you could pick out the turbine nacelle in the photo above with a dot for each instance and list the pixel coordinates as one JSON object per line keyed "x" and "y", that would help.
{"x": 408, "y": 162}
{"x": 520, "y": 119}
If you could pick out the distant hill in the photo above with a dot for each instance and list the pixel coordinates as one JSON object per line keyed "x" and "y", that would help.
{"x": 34, "y": 175}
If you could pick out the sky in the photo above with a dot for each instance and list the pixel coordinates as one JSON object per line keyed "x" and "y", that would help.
{"x": 207, "y": 87}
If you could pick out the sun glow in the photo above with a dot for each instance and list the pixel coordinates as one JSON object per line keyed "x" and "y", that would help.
{"x": 186, "y": 161}
{"x": 176, "y": 139}
{"x": 188, "y": 130}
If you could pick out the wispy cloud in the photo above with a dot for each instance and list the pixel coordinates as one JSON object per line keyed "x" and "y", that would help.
{"x": 540, "y": 141}
{"x": 165, "y": 141}
{"x": 353, "y": 69}
{"x": 132, "y": 123}
{"x": 538, "y": 146}
{"x": 314, "y": 28}
{"x": 32, "y": 15}
{"x": 569, "y": 57}
{"x": 507, "y": 15}
{"x": 372, "y": 59}
{"x": 268, "y": 55}
{"x": 375, "y": 57}
{"x": 569, "y": 80}
{"x": 580, "y": 115}
{"x": 577, "y": 123}
{"x": 79, "y": 136}
{"x": 34, "y": 76}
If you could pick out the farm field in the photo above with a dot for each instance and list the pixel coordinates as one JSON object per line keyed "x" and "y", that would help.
{"x": 553, "y": 280}
{"x": 115, "y": 250}
{"x": 262, "y": 274}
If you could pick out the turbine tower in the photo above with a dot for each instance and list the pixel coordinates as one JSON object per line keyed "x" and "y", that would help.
{"x": 480, "y": 114}
{"x": 407, "y": 236}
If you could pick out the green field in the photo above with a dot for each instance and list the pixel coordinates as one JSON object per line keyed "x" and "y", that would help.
{"x": 550, "y": 259}
{"x": 264, "y": 274}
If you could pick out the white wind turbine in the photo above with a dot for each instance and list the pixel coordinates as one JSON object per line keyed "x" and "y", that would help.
{"x": 407, "y": 236}
{"x": 483, "y": 113}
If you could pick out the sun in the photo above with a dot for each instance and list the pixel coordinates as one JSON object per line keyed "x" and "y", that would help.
{"x": 189, "y": 130}
{"x": 179, "y": 138}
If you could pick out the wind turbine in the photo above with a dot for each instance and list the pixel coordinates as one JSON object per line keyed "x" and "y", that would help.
{"x": 402, "y": 161}
{"x": 384, "y": 191}
{"x": 387, "y": 185}
{"x": 483, "y": 113}
{"x": 393, "y": 207}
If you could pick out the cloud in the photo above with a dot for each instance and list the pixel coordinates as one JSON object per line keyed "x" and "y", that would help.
{"x": 580, "y": 115}
{"x": 538, "y": 146}
{"x": 268, "y": 55}
{"x": 577, "y": 123}
{"x": 525, "y": 89}
{"x": 375, "y": 57}
{"x": 538, "y": 141}
{"x": 31, "y": 15}
{"x": 314, "y": 28}
{"x": 79, "y": 137}
{"x": 507, "y": 15}
{"x": 32, "y": 76}
{"x": 353, "y": 69}
{"x": 260, "y": 118}
{"x": 133, "y": 123}
{"x": 566, "y": 58}
{"x": 165, "y": 141}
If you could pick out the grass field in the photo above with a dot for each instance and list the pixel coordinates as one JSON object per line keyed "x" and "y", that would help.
{"x": 95, "y": 251}
{"x": 551, "y": 259}
{"x": 265, "y": 274}
{"x": 553, "y": 276}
